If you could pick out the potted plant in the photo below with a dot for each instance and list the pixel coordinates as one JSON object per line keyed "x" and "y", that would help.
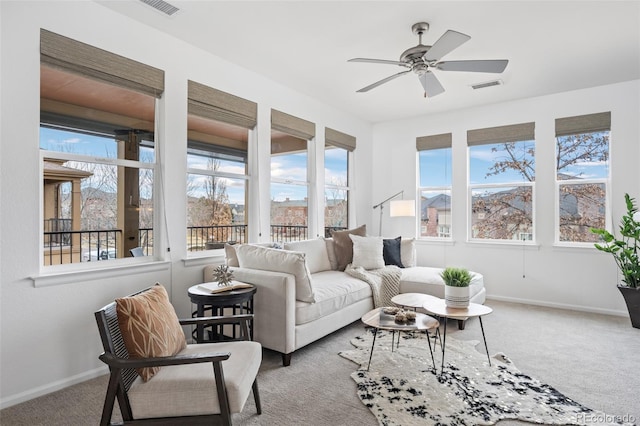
{"x": 625, "y": 254}
{"x": 456, "y": 287}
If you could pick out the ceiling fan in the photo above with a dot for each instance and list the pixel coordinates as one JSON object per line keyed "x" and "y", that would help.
{"x": 422, "y": 60}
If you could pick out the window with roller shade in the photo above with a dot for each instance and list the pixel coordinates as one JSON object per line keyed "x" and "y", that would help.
{"x": 582, "y": 176}
{"x": 502, "y": 183}
{"x": 290, "y": 139}
{"x": 434, "y": 188}
{"x": 218, "y": 125}
{"x": 338, "y": 148}
{"x": 98, "y": 160}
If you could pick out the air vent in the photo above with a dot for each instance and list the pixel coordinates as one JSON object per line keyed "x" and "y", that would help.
{"x": 487, "y": 84}
{"x": 162, "y": 6}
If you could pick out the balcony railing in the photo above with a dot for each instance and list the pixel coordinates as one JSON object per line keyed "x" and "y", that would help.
{"x": 66, "y": 246}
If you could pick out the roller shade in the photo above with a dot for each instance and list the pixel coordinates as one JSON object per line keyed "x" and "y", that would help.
{"x": 424, "y": 143}
{"x": 292, "y": 125}
{"x": 339, "y": 139}
{"x": 501, "y": 134}
{"x": 583, "y": 124}
{"x": 207, "y": 102}
{"x": 70, "y": 55}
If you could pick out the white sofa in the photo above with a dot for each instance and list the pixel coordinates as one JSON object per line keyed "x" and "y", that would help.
{"x": 302, "y": 295}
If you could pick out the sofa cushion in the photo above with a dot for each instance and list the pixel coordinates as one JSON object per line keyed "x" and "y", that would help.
{"x": 408, "y": 252}
{"x": 344, "y": 246}
{"x": 231, "y": 257}
{"x": 334, "y": 290}
{"x": 149, "y": 327}
{"x": 391, "y": 251}
{"x": 268, "y": 259}
{"x": 367, "y": 252}
{"x": 316, "y": 251}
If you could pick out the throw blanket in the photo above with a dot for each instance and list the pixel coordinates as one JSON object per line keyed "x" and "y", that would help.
{"x": 384, "y": 282}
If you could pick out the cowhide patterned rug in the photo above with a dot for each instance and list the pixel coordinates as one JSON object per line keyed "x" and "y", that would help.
{"x": 402, "y": 388}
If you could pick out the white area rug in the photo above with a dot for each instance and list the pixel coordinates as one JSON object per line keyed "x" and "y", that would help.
{"x": 402, "y": 388}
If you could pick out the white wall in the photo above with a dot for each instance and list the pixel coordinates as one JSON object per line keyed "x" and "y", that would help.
{"x": 578, "y": 278}
{"x": 48, "y": 335}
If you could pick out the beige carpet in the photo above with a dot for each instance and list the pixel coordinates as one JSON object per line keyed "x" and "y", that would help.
{"x": 590, "y": 358}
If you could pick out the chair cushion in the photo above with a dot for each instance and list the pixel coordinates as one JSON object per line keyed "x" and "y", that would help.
{"x": 190, "y": 389}
{"x": 344, "y": 246}
{"x": 291, "y": 262}
{"x": 149, "y": 327}
{"x": 367, "y": 252}
{"x": 316, "y": 252}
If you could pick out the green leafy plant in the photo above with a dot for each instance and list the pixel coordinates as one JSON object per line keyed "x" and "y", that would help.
{"x": 625, "y": 249}
{"x": 456, "y": 277}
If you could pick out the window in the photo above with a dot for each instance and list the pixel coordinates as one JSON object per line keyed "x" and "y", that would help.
{"x": 336, "y": 180}
{"x": 434, "y": 165}
{"x": 582, "y": 176}
{"x": 217, "y": 167}
{"x": 97, "y": 146}
{"x": 501, "y": 182}
{"x": 290, "y": 138}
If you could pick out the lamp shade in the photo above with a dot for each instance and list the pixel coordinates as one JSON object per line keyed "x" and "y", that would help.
{"x": 402, "y": 208}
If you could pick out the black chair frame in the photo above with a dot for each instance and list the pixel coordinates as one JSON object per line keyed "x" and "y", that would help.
{"x": 123, "y": 370}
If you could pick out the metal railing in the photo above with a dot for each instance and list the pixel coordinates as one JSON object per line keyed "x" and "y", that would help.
{"x": 215, "y": 236}
{"x": 63, "y": 247}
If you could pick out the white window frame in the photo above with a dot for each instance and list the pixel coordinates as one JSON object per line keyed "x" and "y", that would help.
{"x": 442, "y": 188}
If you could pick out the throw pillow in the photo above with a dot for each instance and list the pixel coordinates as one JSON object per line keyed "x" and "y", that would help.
{"x": 408, "y": 252}
{"x": 367, "y": 252}
{"x": 149, "y": 327}
{"x": 230, "y": 255}
{"x": 391, "y": 252}
{"x": 291, "y": 262}
{"x": 315, "y": 251}
{"x": 344, "y": 246}
{"x": 331, "y": 253}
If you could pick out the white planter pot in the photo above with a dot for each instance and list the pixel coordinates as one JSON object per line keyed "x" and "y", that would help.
{"x": 456, "y": 297}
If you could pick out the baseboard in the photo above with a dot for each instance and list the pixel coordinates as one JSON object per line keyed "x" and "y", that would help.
{"x": 52, "y": 387}
{"x": 559, "y": 305}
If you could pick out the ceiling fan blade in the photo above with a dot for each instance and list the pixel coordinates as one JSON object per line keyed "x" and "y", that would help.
{"x": 379, "y": 61}
{"x": 384, "y": 80}
{"x": 445, "y": 44}
{"x": 494, "y": 66}
{"x": 430, "y": 83}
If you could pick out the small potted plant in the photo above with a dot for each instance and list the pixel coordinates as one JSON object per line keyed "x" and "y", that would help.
{"x": 625, "y": 254}
{"x": 456, "y": 287}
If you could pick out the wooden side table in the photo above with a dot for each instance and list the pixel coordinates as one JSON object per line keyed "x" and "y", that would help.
{"x": 439, "y": 308}
{"x": 240, "y": 301}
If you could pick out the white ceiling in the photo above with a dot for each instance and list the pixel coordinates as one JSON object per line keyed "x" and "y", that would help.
{"x": 552, "y": 46}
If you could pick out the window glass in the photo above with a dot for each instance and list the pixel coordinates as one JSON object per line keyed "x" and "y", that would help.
{"x": 216, "y": 184}
{"x": 336, "y": 191}
{"x": 501, "y": 184}
{"x": 289, "y": 187}
{"x": 582, "y": 175}
{"x": 435, "y": 192}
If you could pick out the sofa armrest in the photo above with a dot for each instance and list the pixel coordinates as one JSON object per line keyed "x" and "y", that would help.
{"x": 274, "y": 307}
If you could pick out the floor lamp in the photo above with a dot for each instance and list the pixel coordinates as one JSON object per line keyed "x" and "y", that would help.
{"x": 397, "y": 208}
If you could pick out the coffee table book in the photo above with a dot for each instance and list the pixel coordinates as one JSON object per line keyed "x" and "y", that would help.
{"x": 213, "y": 287}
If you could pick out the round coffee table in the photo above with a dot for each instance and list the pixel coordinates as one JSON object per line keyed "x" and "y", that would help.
{"x": 412, "y": 300}
{"x": 439, "y": 308}
{"x": 381, "y": 321}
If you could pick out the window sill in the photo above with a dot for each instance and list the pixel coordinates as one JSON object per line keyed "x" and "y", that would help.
{"x": 206, "y": 258}
{"x": 70, "y": 277}
{"x": 505, "y": 244}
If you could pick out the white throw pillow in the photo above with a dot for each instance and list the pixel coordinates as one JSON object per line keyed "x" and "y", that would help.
{"x": 316, "y": 251}
{"x": 268, "y": 259}
{"x": 367, "y": 252}
{"x": 408, "y": 252}
{"x": 331, "y": 253}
